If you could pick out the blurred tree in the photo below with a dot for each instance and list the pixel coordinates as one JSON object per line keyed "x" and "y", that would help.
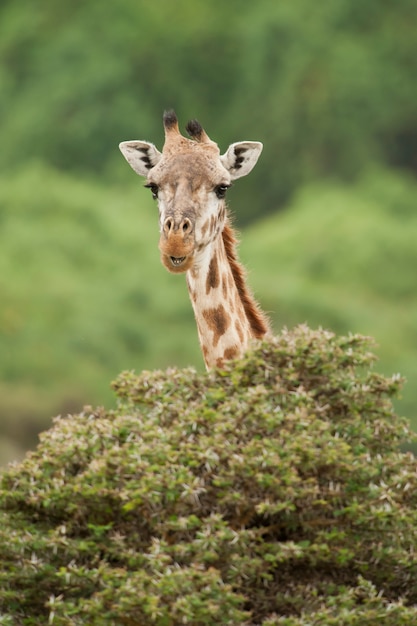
{"x": 331, "y": 87}
{"x": 326, "y": 87}
{"x": 93, "y": 74}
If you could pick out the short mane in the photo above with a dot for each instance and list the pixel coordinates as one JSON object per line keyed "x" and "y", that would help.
{"x": 257, "y": 320}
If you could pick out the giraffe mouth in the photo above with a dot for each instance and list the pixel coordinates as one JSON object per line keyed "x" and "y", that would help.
{"x": 177, "y": 260}
{"x": 177, "y": 264}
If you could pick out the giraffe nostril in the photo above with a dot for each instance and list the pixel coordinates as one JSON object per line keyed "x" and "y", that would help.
{"x": 168, "y": 225}
{"x": 185, "y": 226}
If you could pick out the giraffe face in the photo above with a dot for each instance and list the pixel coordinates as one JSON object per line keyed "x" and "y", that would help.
{"x": 190, "y": 191}
{"x": 189, "y": 180}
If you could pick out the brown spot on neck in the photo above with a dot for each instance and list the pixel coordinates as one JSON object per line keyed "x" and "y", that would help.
{"x": 231, "y": 353}
{"x": 257, "y": 320}
{"x": 213, "y": 278}
{"x": 224, "y": 286}
{"x": 218, "y": 321}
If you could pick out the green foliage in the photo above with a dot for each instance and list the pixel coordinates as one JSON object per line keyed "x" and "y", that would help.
{"x": 270, "y": 492}
{"x": 337, "y": 94}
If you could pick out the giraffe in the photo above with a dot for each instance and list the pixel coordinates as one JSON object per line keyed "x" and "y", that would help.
{"x": 189, "y": 179}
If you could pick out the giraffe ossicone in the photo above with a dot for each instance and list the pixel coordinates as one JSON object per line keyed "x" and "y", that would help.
{"x": 189, "y": 179}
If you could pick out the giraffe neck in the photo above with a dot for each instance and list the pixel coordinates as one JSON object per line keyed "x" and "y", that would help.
{"x": 227, "y": 316}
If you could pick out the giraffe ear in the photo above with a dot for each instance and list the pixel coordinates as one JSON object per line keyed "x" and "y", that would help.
{"x": 240, "y": 158}
{"x": 142, "y": 156}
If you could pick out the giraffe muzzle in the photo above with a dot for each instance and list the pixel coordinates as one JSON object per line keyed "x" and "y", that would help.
{"x": 176, "y": 255}
{"x": 177, "y": 244}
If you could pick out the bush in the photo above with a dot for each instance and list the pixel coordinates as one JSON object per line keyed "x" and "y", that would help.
{"x": 269, "y": 492}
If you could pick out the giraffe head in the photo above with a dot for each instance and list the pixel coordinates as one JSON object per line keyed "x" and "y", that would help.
{"x": 189, "y": 179}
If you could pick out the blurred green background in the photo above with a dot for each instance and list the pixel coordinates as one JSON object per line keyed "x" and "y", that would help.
{"x": 328, "y": 216}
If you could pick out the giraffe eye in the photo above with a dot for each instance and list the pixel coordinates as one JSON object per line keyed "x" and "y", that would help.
{"x": 154, "y": 189}
{"x": 220, "y": 190}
